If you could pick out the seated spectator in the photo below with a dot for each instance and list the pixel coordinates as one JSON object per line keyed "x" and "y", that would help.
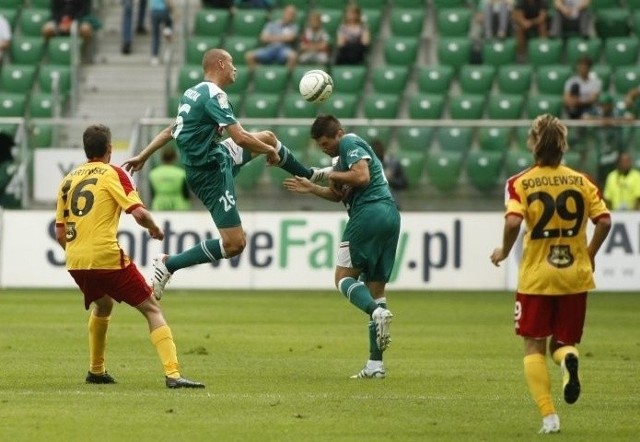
{"x": 314, "y": 42}
{"x": 622, "y": 188}
{"x": 393, "y": 170}
{"x": 494, "y": 17}
{"x": 5, "y": 36}
{"x": 65, "y": 12}
{"x": 581, "y": 91}
{"x": 353, "y": 39}
{"x": 278, "y": 38}
{"x": 169, "y": 190}
{"x": 529, "y": 20}
{"x": 571, "y": 17}
{"x": 632, "y": 102}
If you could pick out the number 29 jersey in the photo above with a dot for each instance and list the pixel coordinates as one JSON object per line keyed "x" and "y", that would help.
{"x": 89, "y": 203}
{"x": 555, "y": 204}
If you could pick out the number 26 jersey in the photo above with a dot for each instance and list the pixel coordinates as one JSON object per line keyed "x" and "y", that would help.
{"x": 555, "y": 204}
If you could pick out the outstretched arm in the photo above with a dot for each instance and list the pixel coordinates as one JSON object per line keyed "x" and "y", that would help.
{"x": 136, "y": 163}
{"x": 303, "y": 185}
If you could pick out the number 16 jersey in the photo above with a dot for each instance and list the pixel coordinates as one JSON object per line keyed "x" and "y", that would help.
{"x": 555, "y": 204}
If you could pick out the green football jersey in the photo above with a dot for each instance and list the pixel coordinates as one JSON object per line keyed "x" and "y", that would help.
{"x": 352, "y": 149}
{"x": 203, "y": 113}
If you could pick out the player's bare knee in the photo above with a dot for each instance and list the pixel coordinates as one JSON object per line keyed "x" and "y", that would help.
{"x": 234, "y": 247}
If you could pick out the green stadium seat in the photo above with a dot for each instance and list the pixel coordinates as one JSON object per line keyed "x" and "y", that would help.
{"x": 514, "y": 79}
{"x": 383, "y": 106}
{"x": 372, "y": 4}
{"x": 578, "y": 47}
{"x": 188, "y": 76}
{"x": 635, "y": 23}
{"x": 251, "y": 173}
{"x": 515, "y": 161}
{"x": 407, "y": 3}
{"x": 333, "y": 4}
{"x": 453, "y": 22}
{"x": 483, "y": 169}
{"x": 248, "y": 22}
{"x": 40, "y": 136}
{"x": 454, "y": 139}
{"x": 237, "y": 46}
{"x": 551, "y": 79}
{"x": 42, "y": 106}
{"x": 443, "y": 170}
{"x": 454, "y": 51}
{"x": 60, "y": 50}
{"x": 40, "y": 4}
{"x": 372, "y": 18}
{"x": 612, "y": 22}
{"x": 296, "y": 138}
{"x": 348, "y": 78}
{"x": 434, "y": 78}
{"x": 476, "y": 79}
{"x": 31, "y": 21}
{"x": 626, "y": 78}
{"x": 243, "y": 76}
{"x": 415, "y": 139}
{"x": 295, "y": 106}
{"x": 371, "y": 133}
{"x": 26, "y": 50}
{"x": 172, "y": 105}
{"x": 407, "y": 22}
{"x": 237, "y": 102}
{"x": 400, "y": 50}
{"x": 17, "y": 78}
{"x": 271, "y": 79}
{"x": 544, "y": 104}
{"x": 603, "y": 72}
{"x": 197, "y": 46}
{"x": 331, "y": 19}
{"x": 505, "y": 106}
{"x": 12, "y": 105}
{"x": 50, "y": 74}
{"x": 604, "y": 4}
{"x": 413, "y": 164}
{"x": 494, "y": 139}
{"x": 211, "y": 22}
{"x": 621, "y": 51}
{"x": 426, "y": 106}
{"x": 499, "y": 53}
{"x": 633, "y": 5}
{"x": 573, "y": 159}
{"x": 544, "y": 51}
{"x": 467, "y": 107}
{"x": 11, "y": 15}
{"x": 12, "y": 4}
{"x": 342, "y": 105}
{"x": 389, "y": 79}
{"x": 261, "y": 105}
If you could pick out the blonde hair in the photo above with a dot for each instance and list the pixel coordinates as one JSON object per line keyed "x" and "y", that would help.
{"x": 547, "y": 140}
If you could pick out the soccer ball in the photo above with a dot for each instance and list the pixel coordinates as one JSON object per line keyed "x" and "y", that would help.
{"x": 316, "y": 86}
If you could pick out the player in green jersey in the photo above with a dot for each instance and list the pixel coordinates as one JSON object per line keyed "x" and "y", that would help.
{"x": 211, "y": 161}
{"x": 368, "y": 247}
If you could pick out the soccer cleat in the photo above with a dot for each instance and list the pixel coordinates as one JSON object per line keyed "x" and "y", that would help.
{"x": 320, "y": 174}
{"x": 104, "y": 378}
{"x": 160, "y": 276}
{"x": 382, "y": 319}
{"x": 570, "y": 379}
{"x": 550, "y": 424}
{"x": 370, "y": 373}
{"x": 182, "y": 383}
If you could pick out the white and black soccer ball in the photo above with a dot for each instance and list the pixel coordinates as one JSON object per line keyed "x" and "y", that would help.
{"x": 316, "y": 86}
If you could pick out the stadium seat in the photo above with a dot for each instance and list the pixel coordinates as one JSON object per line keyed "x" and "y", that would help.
{"x": 11, "y": 15}
{"x": 331, "y": 19}
{"x": 443, "y": 170}
{"x": 211, "y": 22}
{"x": 372, "y": 18}
{"x": 635, "y": 23}
{"x": 12, "y": 105}
{"x": 612, "y": 22}
{"x": 237, "y": 102}
{"x": 499, "y": 53}
{"x": 50, "y": 74}
{"x": 41, "y": 135}
{"x": 626, "y": 78}
{"x": 494, "y": 139}
{"x": 476, "y": 79}
{"x": 296, "y": 138}
{"x": 237, "y": 46}
{"x": 188, "y": 76}
{"x": 514, "y": 79}
{"x": 407, "y": 22}
{"x": 505, "y": 106}
{"x": 467, "y": 107}
{"x": 413, "y": 164}
{"x": 251, "y": 173}
{"x": 295, "y": 106}
{"x": 408, "y": 3}
{"x": 389, "y": 79}
{"x": 381, "y": 106}
{"x": 415, "y": 139}
{"x": 348, "y": 78}
{"x": 341, "y": 105}
{"x": 453, "y": 22}
{"x": 42, "y": 106}
{"x": 621, "y": 51}
{"x": 400, "y": 50}
{"x": 197, "y": 46}
{"x": 40, "y": 4}
{"x": 248, "y": 22}
{"x": 551, "y": 79}
{"x": 243, "y": 76}
{"x": 515, "y": 161}
{"x": 271, "y": 79}
{"x": 372, "y": 4}
{"x": 573, "y": 159}
{"x": 59, "y": 51}
{"x": 633, "y": 5}
{"x": 17, "y": 78}
{"x": 31, "y": 21}
{"x": 544, "y": 51}
{"x": 371, "y": 133}
{"x": 26, "y": 50}
{"x": 605, "y": 4}
{"x": 544, "y": 104}
{"x": 172, "y": 105}
{"x": 434, "y": 78}
{"x": 603, "y": 72}
{"x": 454, "y": 139}
{"x": 426, "y": 106}
{"x": 454, "y": 51}
{"x": 261, "y": 105}
{"x": 483, "y": 169}
{"x": 578, "y": 47}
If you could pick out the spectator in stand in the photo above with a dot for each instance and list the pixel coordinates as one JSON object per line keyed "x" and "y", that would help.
{"x": 314, "y": 42}
{"x": 169, "y": 189}
{"x": 571, "y": 17}
{"x": 161, "y": 23}
{"x": 393, "y": 170}
{"x": 581, "y": 90}
{"x": 529, "y": 20}
{"x": 494, "y": 17}
{"x": 632, "y": 102}
{"x": 622, "y": 188}
{"x": 127, "y": 23}
{"x": 353, "y": 38}
{"x": 278, "y": 39}
{"x": 65, "y": 12}
{"x": 5, "y": 36}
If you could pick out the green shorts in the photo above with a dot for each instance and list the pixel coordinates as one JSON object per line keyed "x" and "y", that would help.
{"x": 371, "y": 239}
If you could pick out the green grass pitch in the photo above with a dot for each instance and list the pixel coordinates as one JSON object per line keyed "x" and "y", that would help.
{"x": 277, "y": 368}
